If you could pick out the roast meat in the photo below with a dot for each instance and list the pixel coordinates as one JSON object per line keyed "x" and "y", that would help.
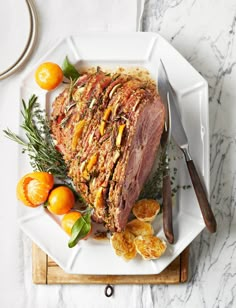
{"x": 108, "y": 128}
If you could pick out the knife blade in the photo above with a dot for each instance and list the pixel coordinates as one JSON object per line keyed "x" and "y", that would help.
{"x": 166, "y": 182}
{"x": 180, "y": 137}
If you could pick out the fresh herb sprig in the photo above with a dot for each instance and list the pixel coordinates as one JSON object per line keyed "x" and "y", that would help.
{"x": 39, "y": 145}
{"x": 152, "y": 188}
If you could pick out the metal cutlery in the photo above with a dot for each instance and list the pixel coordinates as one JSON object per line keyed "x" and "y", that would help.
{"x": 179, "y": 136}
{"x": 166, "y": 184}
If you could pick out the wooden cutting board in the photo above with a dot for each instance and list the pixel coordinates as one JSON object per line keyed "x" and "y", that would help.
{"x": 46, "y": 271}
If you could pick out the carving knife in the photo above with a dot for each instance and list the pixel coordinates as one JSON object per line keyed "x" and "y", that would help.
{"x": 166, "y": 183}
{"x": 179, "y": 136}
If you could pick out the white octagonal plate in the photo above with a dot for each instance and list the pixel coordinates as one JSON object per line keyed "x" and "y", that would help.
{"x": 125, "y": 50}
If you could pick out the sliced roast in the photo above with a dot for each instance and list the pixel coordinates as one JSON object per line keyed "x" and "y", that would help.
{"x": 108, "y": 128}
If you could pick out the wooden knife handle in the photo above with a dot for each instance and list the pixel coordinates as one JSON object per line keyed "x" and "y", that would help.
{"x": 167, "y": 209}
{"x": 207, "y": 213}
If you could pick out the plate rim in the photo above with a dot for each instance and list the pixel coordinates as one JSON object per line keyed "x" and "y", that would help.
{"x": 29, "y": 46}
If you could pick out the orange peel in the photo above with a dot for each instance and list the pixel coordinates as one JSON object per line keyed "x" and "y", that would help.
{"x": 33, "y": 188}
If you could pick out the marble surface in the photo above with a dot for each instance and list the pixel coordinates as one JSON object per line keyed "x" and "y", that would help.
{"x": 203, "y": 31}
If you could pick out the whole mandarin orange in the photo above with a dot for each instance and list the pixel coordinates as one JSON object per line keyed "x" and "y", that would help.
{"x": 69, "y": 220}
{"x": 48, "y": 75}
{"x": 60, "y": 200}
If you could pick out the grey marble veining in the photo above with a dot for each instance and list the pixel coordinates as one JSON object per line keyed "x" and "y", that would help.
{"x": 204, "y": 33}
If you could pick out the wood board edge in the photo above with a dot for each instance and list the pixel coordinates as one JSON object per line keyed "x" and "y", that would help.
{"x": 46, "y": 271}
{"x": 184, "y": 265}
{"x": 39, "y": 265}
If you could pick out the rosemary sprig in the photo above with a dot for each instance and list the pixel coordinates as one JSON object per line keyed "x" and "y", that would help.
{"x": 39, "y": 145}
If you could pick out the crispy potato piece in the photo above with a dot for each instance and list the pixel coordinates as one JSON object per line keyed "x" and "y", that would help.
{"x": 123, "y": 244}
{"x": 146, "y": 209}
{"x": 137, "y": 227}
{"x": 149, "y": 246}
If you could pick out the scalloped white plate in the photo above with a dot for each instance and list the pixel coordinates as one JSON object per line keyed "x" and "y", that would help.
{"x": 125, "y": 50}
{"x": 20, "y": 36}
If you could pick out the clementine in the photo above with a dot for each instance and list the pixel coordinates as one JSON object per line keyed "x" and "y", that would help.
{"x": 33, "y": 188}
{"x": 48, "y": 75}
{"x": 69, "y": 220}
{"x": 60, "y": 200}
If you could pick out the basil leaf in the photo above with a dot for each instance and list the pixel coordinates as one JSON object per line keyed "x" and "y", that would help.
{"x": 80, "y": 229}
{"x": 69, "y": 71}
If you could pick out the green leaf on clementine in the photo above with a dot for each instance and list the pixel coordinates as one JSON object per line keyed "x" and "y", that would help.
{"x": 69, "y": 71}
{"x": 80, "y": 229}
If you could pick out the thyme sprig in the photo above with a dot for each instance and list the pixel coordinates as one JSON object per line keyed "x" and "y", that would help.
{"x": 39, "y": 146}
{"x": 152, "y": 188}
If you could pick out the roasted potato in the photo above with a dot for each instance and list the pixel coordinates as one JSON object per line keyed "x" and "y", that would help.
{"x": 123, "y": 244}
{"x": 137, "y": 227}
{"x": 149, "y": 246}
{"x": 146, "y": 209}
